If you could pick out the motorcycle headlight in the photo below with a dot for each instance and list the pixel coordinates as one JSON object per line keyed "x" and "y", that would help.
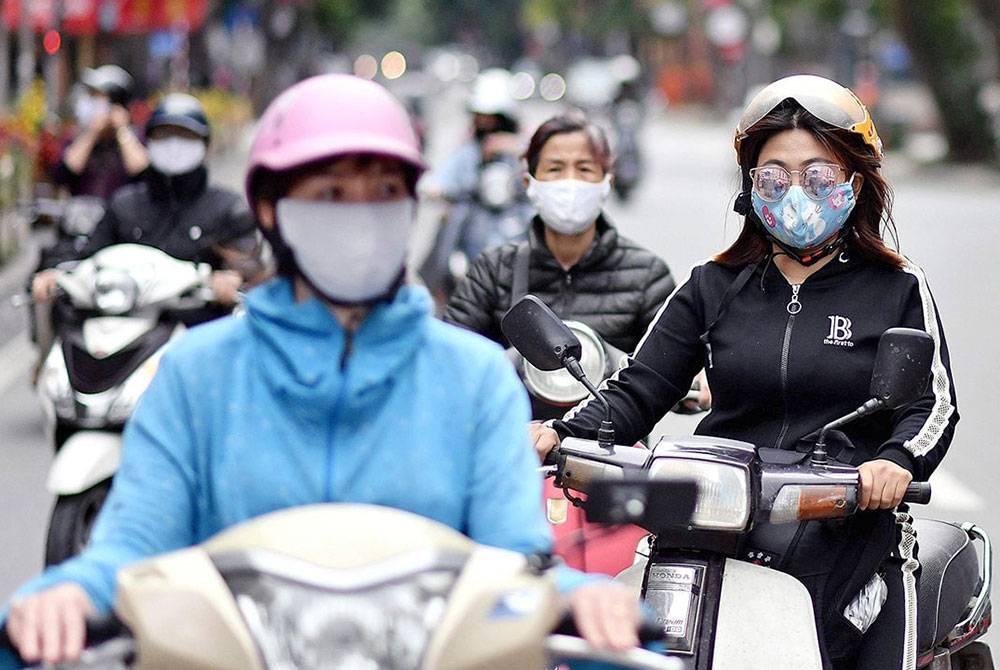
{"x": 723, "y": 490}
{"x": 115, "y": 292}
{"x": 338, "y": 619}
{"x": 558, "y": 387}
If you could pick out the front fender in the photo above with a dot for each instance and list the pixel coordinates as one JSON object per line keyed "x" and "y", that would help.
{"x": 765, "y": 619}
{"x": 87, "y": 457}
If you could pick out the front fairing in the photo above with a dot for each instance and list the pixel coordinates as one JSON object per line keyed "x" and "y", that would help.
{"x": 215, "y": 606}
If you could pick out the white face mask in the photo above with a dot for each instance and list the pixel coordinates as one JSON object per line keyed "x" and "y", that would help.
{"x": 176, "y": 155}
{"x": 351, "y": 252}
{"x": 568, "y": 206}
{"x": 89, "y": 107}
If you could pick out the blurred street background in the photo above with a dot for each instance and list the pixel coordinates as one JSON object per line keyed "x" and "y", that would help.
{"x": 928, "y": 69}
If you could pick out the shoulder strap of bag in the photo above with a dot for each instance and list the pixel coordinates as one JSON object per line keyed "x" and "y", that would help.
{"x": 741, "y": 280}
{"x": 522, "y": 263}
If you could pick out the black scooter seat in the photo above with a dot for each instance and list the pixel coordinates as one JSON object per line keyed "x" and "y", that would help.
{"x": 949, "y": 577}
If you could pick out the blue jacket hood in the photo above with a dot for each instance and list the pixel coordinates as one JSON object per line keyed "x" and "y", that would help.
{"x": 304, "y": 349}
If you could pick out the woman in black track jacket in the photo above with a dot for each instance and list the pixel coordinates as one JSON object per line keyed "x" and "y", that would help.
{"x": 787, "y": 322}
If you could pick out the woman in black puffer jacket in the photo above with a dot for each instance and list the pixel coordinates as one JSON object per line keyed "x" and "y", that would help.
{"x": 575, "y": 261}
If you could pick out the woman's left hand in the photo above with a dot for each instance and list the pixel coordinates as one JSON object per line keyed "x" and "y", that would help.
{"x": 883, "y": 484}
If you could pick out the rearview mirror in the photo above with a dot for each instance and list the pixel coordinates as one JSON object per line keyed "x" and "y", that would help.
{"x": 653, "y": 504}
{"x": 902, "y": 366}
{"x": 541, "y": 336}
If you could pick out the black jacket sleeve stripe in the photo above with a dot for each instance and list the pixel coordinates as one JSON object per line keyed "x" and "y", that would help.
{"x": 628, "y": 359}
{"x": 937, "y": 421}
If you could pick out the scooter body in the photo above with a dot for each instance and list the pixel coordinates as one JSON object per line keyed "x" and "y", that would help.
{"x": 583, "y": 545}
{"x": 342, "y": 586}
{"x": 722, "y": 607}
{"x": 116, "y": 323}
{"x": 720, "y": 614}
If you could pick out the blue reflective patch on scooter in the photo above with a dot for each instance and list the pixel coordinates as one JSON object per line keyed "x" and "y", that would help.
{"x": 516, "y": 604}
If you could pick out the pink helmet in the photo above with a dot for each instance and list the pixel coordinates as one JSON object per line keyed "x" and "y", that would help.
{"x": 329, "y": 116}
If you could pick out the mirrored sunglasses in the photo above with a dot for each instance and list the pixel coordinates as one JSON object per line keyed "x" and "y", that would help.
{"x": 771, "y": 182}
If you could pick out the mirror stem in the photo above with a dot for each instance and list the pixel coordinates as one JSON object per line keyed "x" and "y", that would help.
{"x": 819, "y": 455}
{"x": 606, "y": 433}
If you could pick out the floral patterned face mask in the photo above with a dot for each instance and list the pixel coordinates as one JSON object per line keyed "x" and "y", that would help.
{"x": 801, "y": 222}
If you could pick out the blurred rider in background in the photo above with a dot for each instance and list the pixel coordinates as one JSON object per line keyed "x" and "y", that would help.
{"x": 106, "y": 153}
{"x": 176, "y": 210}
{"x": 481, "y": 182}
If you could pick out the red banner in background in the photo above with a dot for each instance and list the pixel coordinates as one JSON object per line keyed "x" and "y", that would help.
{"x": 88, "y": 17}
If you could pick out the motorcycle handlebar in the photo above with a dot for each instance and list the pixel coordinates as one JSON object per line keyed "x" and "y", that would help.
{"x": 918, "y": 493}
{"x": 100, "y": 628}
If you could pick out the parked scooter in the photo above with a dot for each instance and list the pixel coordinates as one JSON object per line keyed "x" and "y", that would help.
{"x": 116, "y": 314}
{"x": 344, "y": 586}
{"x": 721, "y": 607}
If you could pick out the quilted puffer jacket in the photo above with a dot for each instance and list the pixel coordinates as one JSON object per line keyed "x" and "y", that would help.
{"x": 616, "y": 288}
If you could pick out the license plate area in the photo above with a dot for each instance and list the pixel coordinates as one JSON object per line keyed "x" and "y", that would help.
{"x": 674, "y": 591}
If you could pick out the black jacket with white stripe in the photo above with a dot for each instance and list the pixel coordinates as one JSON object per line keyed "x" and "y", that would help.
{"x": 777, "y": 377}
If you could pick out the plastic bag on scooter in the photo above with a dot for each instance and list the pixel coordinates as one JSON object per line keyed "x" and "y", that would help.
{"x": 866, "y": 606}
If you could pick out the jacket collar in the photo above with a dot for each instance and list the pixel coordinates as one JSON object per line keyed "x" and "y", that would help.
{"x": 301, "y": 345}
{"x": 181, "y": 188}
{"x": 605, "y": 241}
{"x": 845, "y": 261}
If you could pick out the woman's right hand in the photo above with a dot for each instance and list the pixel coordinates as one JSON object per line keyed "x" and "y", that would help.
{"x": 50, "y": 626}
{"x": 543, "y": 438}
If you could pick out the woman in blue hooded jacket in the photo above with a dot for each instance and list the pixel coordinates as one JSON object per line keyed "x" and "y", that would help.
{"x": 338, "y": 385}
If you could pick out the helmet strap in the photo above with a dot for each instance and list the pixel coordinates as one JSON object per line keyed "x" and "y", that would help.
{"x": 810, "y": 258}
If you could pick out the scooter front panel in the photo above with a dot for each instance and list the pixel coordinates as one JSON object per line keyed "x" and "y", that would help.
{"x": 765, "y": 621}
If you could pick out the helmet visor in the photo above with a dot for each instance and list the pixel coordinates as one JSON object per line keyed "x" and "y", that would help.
{"x": 827, "y": 100}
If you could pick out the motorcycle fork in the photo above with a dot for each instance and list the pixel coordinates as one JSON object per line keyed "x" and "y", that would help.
{"x": 669, "y": 575}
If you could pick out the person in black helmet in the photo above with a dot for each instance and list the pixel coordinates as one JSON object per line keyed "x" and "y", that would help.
{"x": 106, "y": 154}
{"x": 176, "y": 210}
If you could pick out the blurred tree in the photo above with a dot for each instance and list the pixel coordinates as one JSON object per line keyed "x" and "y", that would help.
{"x": 990, "y": 11}
{"x": 946, "y": 56}
{"x": 494, "y": 27}
{"x": 339, "y": 19}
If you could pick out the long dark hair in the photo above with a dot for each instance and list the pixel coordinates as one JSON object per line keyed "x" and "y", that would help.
{"x": 873, "y": 208}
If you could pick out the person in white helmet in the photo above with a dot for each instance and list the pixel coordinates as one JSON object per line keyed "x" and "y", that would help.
{"x": 297, "y": 401}
{"x": 487, "y": 205}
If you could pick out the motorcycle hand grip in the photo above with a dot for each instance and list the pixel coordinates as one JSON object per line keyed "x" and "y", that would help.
{"x": 7, "y": 645}
{"x": 552, "y": 458}
{"x": 100, "y": 628}
{"x": 918, "y": 493}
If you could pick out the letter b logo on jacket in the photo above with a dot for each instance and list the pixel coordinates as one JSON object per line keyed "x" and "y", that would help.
{"x": 840, "y": 331}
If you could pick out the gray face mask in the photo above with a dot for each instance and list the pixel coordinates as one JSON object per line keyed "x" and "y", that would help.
{"x": 351, "y": 252}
